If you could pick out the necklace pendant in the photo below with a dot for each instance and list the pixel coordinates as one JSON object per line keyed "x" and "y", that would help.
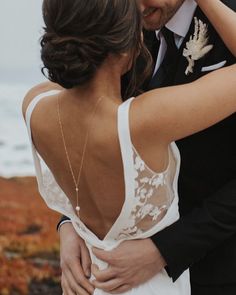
{"x": 77, "y": 208}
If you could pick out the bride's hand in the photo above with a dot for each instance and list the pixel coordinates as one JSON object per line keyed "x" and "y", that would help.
{"x": 130, "y": 264}
{"x": 75, "y": 262}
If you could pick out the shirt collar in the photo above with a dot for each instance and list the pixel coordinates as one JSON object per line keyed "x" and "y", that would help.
{"x": 181, "y": 21}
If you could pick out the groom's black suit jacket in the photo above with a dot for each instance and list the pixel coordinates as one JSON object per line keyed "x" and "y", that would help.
{"x": 204, "y": 238}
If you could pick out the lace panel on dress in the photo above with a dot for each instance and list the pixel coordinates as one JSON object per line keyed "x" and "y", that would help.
{"x": 153, "y": 196}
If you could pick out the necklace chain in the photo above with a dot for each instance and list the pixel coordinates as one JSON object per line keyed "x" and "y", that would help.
{"x": 76, "y": 182}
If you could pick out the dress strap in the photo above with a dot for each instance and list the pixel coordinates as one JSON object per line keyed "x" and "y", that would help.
{"x": 124, "y": 126}
{"x": 32, "y": 106}
{"x": 36, "y": 156}
{"x": 128, "y": 167}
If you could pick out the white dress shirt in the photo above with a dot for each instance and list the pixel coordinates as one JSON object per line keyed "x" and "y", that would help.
{"x": 179, "y": 24}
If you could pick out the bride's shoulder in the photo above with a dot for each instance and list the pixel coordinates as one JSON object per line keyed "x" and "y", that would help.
{"x": 37, "y": 90}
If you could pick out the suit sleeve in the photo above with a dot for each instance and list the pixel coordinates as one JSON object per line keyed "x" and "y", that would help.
{"x": 191, "y": 238}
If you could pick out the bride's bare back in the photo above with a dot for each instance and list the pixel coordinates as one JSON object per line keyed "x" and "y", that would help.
{"x": 102, "y": 190}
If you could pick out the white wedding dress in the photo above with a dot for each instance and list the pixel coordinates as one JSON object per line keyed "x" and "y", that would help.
{"x": 151, "y": 203}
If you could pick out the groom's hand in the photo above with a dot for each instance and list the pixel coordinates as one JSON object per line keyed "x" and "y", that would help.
{"x": 130, "y": 264}
{"x": 75, "y": 263}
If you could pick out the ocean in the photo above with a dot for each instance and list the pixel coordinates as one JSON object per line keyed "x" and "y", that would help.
{"x": 15, "y": 150}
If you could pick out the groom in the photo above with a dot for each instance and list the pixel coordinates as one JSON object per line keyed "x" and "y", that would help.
{"x": 204, "y": 238}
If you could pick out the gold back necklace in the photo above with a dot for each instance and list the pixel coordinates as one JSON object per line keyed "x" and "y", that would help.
{"x": 76, "y": 180}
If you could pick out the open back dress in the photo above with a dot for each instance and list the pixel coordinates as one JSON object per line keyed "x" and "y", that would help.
{"x": 150, "y": 205}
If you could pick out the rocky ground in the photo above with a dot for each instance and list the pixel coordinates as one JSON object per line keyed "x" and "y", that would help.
{"x": 29, "y": 247}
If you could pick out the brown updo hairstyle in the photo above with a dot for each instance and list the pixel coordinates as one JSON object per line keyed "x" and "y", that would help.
{"x": 79, "y": 35}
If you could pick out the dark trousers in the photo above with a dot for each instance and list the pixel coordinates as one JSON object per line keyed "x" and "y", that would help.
{"x": 229, "y": 289}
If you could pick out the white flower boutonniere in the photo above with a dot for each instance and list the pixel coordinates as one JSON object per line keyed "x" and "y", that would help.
{"x": 197, "y": 46}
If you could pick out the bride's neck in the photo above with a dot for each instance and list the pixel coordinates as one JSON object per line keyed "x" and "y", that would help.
{"x": 106, "y": 83}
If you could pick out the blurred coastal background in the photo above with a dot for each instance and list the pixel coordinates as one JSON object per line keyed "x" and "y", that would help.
{"x": 29, "y": 247}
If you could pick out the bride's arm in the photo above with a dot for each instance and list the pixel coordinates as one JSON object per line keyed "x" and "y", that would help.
{"x": 172, "y": 113}
{"x": 223, "y": 19}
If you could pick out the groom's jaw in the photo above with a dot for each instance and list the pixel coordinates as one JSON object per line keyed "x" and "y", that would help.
{"x": 152, "y": 18}
{"x": 156, "y": 13}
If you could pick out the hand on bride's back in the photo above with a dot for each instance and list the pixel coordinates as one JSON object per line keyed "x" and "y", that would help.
{"x": 75, "y": 262}
{"x": 130, "y": 264}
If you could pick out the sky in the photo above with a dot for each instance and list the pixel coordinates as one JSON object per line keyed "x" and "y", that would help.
{"x": 20, "y": 29}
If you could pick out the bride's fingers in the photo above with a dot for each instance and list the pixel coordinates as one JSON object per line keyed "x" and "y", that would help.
{"x": 103, "y": 275}
{"x": 73, "y": 286}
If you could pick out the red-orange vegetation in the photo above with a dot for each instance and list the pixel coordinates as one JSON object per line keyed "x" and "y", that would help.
{"x": 29, "y": 245}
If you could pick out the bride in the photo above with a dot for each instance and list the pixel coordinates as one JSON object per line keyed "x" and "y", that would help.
{"x": 112, "y": 166}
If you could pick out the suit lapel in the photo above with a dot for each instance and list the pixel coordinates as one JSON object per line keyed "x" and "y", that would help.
{"x": 181, "y": 77}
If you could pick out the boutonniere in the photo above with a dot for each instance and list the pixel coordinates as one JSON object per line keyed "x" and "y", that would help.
{"x": 197, "y": 46}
